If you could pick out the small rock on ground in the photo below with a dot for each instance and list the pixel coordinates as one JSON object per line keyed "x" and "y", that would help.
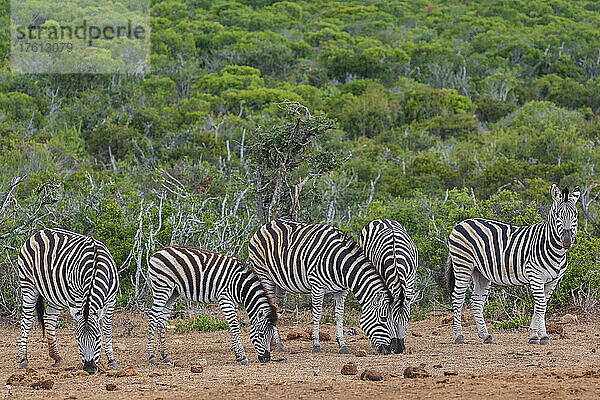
{"x": 196, "y": 369}
{"x": 415, "y": 372}
{"x": 349, "y": 369}
{"x": 111, "y": 387}
{"x": 451, "y": 372}
{"x": 370, "y": 375}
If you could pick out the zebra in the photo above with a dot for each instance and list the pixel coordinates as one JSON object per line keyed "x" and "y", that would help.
{"x": 393, "y": 253}
{"x": 69, "y": 270}
{"x": 320, "y": 259}
{"x": 510, "y": 255}
{"x": 205, "y": 276}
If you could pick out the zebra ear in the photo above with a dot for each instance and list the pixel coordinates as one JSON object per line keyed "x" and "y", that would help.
{"x": 575, "y": 195}
{"x": 555, "y": 193}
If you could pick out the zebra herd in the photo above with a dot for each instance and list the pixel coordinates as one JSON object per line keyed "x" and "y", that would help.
{"x": 68, "y": 270}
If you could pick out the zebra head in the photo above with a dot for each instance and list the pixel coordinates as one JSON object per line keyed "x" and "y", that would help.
{"x": 563, "y": 214}
{"x": 89, "y": 338}
{"x": 262, "y": 326}
{"x": 374, "y": 320}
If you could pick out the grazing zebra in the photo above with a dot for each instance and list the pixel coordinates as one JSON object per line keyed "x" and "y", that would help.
{"x": 204, "y": 276}
{"x": 509, "y": 255}
{"x": 75, "y": 271}
{"x": 393, "y": 253}
{"x": 319, "y": 259}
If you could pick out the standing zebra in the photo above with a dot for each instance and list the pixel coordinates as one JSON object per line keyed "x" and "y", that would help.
{"x": 509, "y": 255}
{"x": 393, "y": 253}
{"x": 75, "y": 271}
{"x": 319, "y": 259}
{"x": 205, "y": 276}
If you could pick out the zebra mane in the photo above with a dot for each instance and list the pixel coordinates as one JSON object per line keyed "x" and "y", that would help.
{"x": 272, "y": 307}
{"x": 565, "y": 194}
{"x": 88, "y": 297}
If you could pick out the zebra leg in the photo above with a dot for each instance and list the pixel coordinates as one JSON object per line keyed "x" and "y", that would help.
{"x": 229, "y": 308}
{"x": 537, "y": 329}
{"x": 153, "y": 316}
{"x": 279, "y": 293}
{"x": 480, "y": 294}
{"x": 317, "y": 310}
{"x": 339, "y": 299}
{"x": 162, "y": 323}
{"x": 107, "y": 332}
{"x": 30, "y": 296}
{"x": 461, "y": 282}
{"x": 50, "y": 319}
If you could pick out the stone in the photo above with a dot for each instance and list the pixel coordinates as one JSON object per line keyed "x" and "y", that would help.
{"x": 416, "y": 372}
{"x": 111, "y": 387}
{"x": 349, "y": 368}
{"x": 196, "y": 369}
{"x": 370, "y": 375}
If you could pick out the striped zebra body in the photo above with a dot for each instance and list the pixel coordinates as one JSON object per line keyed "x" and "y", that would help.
{"x": 73, "y": 271}
{"x": 319, "y": 259}
{"x": 393, "y": 253}
{"x": 508, "y": 255}
{"x": 204, "y": 276}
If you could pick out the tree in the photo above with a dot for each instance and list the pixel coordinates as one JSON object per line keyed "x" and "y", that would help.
{"x": 285, "y": 152}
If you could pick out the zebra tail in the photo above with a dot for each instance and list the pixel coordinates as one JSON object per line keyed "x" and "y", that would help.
{"x": 39, "y": 308}
{"x": 450, "y": 276}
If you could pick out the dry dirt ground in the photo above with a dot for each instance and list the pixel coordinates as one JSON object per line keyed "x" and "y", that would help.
{"x": 510, "y": 368}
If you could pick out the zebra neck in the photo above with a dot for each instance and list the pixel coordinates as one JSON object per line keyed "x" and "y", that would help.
{"x": 553, "y": 241}
{"x": 246, "y": 290}
{"x": 363, "y": 280}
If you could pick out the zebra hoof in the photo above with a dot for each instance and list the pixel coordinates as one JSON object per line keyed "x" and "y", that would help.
{"x": 152, "y": 360}
{"x": 534, "y": 340}
{"x": 166, "y": 360}
{"x": 488, "y": 339}
{"x": 316, "y": 349}
{"x": 23, "y": 363}
{"x": 460, "y": 339}
{"x": 344, "y": 350}
{"x": 279, "y": 348}
{"x": 244, "y": 361}
{"x": 545, "y": 340}
{"x": 59, "y": 363}
{"x": 113, "y": 363}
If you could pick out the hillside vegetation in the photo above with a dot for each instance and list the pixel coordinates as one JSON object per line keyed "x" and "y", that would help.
{"x": 336, "y": 112}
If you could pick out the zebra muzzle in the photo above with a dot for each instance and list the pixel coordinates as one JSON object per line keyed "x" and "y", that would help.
{"x": 265, "y": 357}
{"x": 383, "y": 349}
{"x": 90, "y": 367}
{"x": 566, "y": 239}
{"x": 398, "y": 346}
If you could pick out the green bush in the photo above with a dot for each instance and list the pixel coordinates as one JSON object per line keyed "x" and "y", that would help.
{"x": 201, "y": 322}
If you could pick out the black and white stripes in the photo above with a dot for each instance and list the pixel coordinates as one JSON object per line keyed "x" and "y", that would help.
{"x": 495, "y": 252}
{"x": 319, "y": 259}
{"x": 73, "y": 271}
{"x": 393, "y": 253}
{"x": 204, "y": 276}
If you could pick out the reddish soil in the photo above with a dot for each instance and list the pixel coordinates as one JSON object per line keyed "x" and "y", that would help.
{"x": 509, "y": 368}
